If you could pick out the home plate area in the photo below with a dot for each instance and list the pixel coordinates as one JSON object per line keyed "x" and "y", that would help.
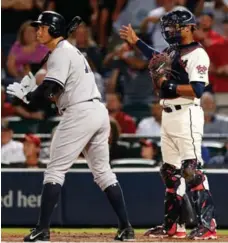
{"x": 57, "y": 236}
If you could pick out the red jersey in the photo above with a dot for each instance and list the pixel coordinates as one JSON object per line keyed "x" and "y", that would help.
{"x": 126, "y": 122}
{"x": 7, "y": 110}
{"x": 218, "y": 54}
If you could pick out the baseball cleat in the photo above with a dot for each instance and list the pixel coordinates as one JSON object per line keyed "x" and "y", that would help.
{"x": 126, "y": 234}
{"x": 160, "y": 232}
{"x": 38, "y": 235}
{"x": 157, "y": 232}
{"x": 202, "y": 233}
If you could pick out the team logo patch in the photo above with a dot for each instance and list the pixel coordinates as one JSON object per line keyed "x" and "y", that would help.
{"x": 201, "y": 69}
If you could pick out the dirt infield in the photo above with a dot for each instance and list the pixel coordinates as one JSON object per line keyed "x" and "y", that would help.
{"x": 98, "y": 237}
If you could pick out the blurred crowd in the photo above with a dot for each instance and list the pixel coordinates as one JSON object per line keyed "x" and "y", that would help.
{"x": 120, "y": 71}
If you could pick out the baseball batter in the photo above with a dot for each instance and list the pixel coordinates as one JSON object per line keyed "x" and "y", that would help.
{"x": 180, "y": 88}
{"x": 84, "y": 126}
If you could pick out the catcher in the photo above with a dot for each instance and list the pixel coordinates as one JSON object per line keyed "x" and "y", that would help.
{"x": 180, "y": 75}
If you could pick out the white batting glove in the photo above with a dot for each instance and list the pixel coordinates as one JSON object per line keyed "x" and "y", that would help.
{"x": 29, "y": 82}
{"x": 18, "y": 90}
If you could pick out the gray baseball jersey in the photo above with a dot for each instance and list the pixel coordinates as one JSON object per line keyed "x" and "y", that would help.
{"x": 84, "y": 126}
{"x": 68, "y": 67}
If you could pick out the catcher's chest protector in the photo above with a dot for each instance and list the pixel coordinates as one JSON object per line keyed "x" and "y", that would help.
{"x": 179, "y": 75}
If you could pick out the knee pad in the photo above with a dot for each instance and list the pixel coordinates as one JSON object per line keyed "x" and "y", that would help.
{"x": 172, "y": 179}
{"x": 194, "y": 177}
{"x": 105, "y": 179}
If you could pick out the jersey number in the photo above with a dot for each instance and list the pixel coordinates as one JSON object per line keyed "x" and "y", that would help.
{"x": 87, "y": 67}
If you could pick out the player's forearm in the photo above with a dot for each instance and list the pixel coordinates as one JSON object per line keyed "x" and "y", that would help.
{"x": 145, "y": 49}
{"x": 94, "y": 5}
{"x": 119, "y": 5}
{"x": 22, "y": 112}
{"x": 146, "y": 21}
{"x": 185, "y": 90}
{"x": 111, "y": 84}
{"x": 46, "y": 90}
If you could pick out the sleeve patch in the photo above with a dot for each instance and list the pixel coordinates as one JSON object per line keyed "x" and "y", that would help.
{"x": 201, "y": 69}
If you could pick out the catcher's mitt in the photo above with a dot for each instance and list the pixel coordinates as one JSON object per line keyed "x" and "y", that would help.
{"x": 159, "y": 67}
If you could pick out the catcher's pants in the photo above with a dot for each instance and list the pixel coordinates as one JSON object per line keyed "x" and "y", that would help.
{"x": 84, "y": 128}
{"x": 181, "y": 134}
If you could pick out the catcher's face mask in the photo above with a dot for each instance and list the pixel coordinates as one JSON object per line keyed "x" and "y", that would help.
{"x": 173, "y": 22}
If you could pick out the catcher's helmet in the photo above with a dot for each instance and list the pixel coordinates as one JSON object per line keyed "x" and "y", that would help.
{"x": 55, "y": 21}
{"x": 173, "y": 21}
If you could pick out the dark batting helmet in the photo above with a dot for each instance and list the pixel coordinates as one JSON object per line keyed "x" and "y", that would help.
{"x": 172, "y": 22}
{"x": 55, "y": 21}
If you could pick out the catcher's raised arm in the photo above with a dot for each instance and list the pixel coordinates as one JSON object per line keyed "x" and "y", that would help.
{"x": 129, "y": 35}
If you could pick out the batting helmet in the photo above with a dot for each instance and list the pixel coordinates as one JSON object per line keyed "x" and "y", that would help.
{"x": 173, "y": 21}
{"x": 55, "y": 21}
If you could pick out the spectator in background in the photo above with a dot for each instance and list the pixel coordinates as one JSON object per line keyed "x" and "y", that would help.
{"x": 117, "y": 149}
{"x": 31, "y": 151}
{"x": 6, "y": 108}
{"x": 27, "y": 111}
{"x": 114, "y": 106}
{"x": 86, "y": 9}
{"x": 151, "y": 126}
{"x": 3, "y": 67}
{"x": 151, "y": 26}
{"x": 100, "y": 82}
{"x": 129, "y": 68}
{"x": 12, "y": 151}
{"x": 82, "y": 39}
{"x": 225, "y": 28}
{"x": 40, "y": 75}
{"x": 213, "y": 122}
{"x": 220, "y": 160}
{"x": 205, "y": 33}
{"x": 25, "y": 52}
{"x": 109, "y": 11}
{"x": 220, "y": 9}
{"x": 218, "y": 71}
{"x": 195, "y": 6}
{"x": 46, "y": 146}
{"x": 14, "y": 13}
{"x": 149, "y": 150}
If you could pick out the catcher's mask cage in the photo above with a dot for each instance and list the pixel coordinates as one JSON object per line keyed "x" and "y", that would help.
{"x": 172, "y": 22}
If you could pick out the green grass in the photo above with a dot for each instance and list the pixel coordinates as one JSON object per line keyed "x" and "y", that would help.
{"x": 81, "y": 230}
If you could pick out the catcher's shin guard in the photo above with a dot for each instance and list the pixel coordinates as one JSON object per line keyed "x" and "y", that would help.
{"x": 202, "y": 199}
{"x": 175, "y": 190}
{"x": 205, "y": 209}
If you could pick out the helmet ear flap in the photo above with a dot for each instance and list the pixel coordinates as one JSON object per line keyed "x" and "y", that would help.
{"x": 53, "y": 31}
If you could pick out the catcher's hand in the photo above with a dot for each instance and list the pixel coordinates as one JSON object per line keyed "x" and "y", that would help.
{"x": 128, "y": 34}
{"x": 160, "y": 68}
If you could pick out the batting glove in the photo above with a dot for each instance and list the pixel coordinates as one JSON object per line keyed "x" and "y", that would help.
{"x": 18, "y": 90}
{"x": 29, "y": 82}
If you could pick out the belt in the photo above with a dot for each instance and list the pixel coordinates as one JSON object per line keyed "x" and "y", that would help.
{"x": 63, "y": 109}
{"x": 169, "y": 109}
{"x": 175, "y": 107}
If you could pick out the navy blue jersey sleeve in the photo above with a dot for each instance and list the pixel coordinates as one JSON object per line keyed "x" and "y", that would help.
{"x": 145, "y": 49}
{"x": 198, "y": 88}
{"x": 44, "y": 91}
